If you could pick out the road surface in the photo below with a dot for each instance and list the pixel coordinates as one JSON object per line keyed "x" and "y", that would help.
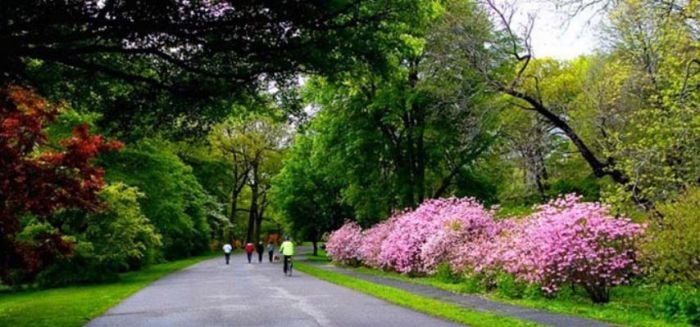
{"x": 241, "y": 294}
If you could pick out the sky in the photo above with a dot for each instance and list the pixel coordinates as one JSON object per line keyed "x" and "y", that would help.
{"x": 555, "y": 34}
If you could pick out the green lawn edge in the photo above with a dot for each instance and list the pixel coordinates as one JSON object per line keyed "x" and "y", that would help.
{"x": 613, "y": 312}
{"x": 422, "y": 304}
{"x": 77, "y": 305}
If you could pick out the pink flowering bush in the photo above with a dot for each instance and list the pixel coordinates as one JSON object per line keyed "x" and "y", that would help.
{"x": 565, "y": 241}
{"x": 401, "y": 248}
{"x": 569, "y": 241}
{"x": 373, "y": 240}
{"x": 459, "y": 230}
{"x": 343, "y": 244}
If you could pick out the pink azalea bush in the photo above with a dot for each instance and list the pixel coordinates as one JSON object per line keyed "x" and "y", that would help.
{"x": 459, "y": 230}
{"x": 401, "y": 248}
{"x": 343, "y": 244}
{"x": 373, "y": 240}
{"x": 565, "y": 241}
{"x": 569, "y": 241}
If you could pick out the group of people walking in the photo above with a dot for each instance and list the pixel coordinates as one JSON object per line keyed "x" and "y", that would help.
{"x": 286, "y": 250}
{"x": 259, "y": 248}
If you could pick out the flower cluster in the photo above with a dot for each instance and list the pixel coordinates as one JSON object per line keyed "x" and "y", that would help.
{"x": 564, "y": 241}
{"x": 343, "y": 244}
{"x": 569, "y": 241}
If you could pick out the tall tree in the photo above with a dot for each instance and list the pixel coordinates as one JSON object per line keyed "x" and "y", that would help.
{"x": 255, "y": 145}
{"x": 306, "y": 193}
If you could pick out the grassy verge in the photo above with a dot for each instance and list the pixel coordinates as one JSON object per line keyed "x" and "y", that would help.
{"x": 423, "y": 304}
{"x": 76, "y": 305}
{"x": 321, "y": 257}
{"x": 629, "y": 305}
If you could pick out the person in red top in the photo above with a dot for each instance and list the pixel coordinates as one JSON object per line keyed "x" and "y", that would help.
{"x": 249, "y": 248}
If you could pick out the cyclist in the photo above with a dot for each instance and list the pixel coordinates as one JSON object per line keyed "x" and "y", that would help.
{"x": 287, "y": 250}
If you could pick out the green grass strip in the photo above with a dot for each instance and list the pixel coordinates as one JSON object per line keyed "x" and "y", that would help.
{"x": 426, "y": 305}
{"x": 630, "y": 306}
{"x": 76, "y": 305}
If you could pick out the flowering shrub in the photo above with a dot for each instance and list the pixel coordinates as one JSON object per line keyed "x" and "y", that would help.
{"x": 459, "y": 230}
{"x": 343, "y": 244}
{"x": 568, "y": 241}
{"x": 564, "y": 241}
{"x": 373, "y": 240}
{"x": 402, "y": 247}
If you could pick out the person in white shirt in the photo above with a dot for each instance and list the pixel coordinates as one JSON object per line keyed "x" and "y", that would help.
{"x": 227, "y": 251}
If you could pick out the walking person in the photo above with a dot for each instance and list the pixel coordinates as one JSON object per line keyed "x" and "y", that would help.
{"x": 270, "y": 249}
{"x": 287, "y": 250}
{"x": 227, "y": 251}
{"x": 249, "y": 248}
{"x": 259, "y": 249}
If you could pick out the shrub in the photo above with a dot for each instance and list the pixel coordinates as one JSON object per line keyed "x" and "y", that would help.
{"x": 444, "y": 273}
{"x": 507, "y": 286}
{"x": 343, "y": 244}
{"x": 117, "y": 239}
{"x": 437, "y": 231}
{"x": 672, "y": 250}
{"x": 373, "y": 241}
{"x": 457, "y": 235}
{"x": 568, "y": 241}
{"x": 401, "y": 248}
{"x": 174, "y": 201}
{"x": 678, "y": 304}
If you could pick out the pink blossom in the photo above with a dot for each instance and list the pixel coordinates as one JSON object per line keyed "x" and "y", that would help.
{"x": 344, "y": 243}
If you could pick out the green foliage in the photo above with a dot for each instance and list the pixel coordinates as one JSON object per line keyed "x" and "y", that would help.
{"x": 508, "y": 287}
{"x": 672, "y": 249}
{"x": 678, "y": 303}
{"x": 117, "y": 239}
{"x": 307, "y": 194}
{"x": 174, "y": 201}
{"x": 444, "y": 274}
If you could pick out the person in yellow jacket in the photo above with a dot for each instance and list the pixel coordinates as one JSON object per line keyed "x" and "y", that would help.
{"x": 287, "y": 250}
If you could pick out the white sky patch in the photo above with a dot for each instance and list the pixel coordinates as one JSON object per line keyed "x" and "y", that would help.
{"x": 556, "y": 34}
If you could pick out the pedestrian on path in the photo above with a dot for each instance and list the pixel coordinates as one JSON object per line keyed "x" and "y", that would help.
{"x": 260, "y": 249}
{"x": 287, "y": 250}
{"x": 227, "y": 251}
{"x": 249, "y": 248}
{"x": 270, "y": 249}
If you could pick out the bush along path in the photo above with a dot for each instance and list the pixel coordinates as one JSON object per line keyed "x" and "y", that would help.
{"x": 465, "y": 300}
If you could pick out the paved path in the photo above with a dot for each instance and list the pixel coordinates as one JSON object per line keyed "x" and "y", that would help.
{"x": 472, "y": 301}
{"x": 241, "y": 294}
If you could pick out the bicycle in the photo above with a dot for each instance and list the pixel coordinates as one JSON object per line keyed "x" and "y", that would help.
{"x": 289, "y": 268}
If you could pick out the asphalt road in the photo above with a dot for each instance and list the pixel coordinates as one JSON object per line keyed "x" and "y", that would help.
{"x": 241, "y": 294}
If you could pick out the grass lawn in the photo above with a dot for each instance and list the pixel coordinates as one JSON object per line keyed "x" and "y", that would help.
{"x": 426, "y": 305}
{"x": 76, "y": 305}
{"x": 631, "y": 306}
{"x": 321, "y": 257}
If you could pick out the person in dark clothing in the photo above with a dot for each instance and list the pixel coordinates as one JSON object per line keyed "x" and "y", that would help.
{"x": 270, "y": 250}
{"x": 259, "y": 249}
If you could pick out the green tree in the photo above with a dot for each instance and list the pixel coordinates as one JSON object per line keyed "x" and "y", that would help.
{"x": 410, "y": 133}
{"x": 306, "y": 193}
{"x": 174, "y": 201}
{"x": 254, "y": 146}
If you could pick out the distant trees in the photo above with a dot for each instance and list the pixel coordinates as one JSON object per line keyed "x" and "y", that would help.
{"x": 254, "y": 148}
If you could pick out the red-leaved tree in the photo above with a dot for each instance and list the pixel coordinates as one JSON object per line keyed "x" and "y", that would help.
{"x": 38, "y": 180}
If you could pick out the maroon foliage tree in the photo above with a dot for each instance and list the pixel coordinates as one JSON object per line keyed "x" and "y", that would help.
{"x": 37, "y": 180}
